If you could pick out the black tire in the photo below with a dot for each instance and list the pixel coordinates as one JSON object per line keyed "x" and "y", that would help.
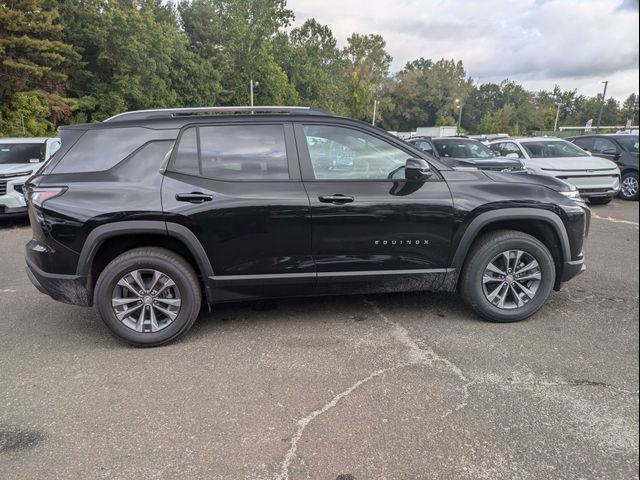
{"x": 630, "y": 176}
{"x": 166, "y": 262}
{"x": 487, "y": 248}
{"x": 600, "y": 200}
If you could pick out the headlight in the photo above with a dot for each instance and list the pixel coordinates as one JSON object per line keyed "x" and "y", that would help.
{"x": 573, "y": 195}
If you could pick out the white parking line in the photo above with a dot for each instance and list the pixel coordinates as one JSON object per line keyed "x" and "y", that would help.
{"x": 614, "y": 220}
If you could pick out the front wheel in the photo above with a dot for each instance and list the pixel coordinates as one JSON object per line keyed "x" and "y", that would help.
{"x": 508, "y": 276}
{"x": 629, "y": 186}
{"x": 148, "y": 296}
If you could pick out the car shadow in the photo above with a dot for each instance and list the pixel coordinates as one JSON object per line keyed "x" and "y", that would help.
{"x": 13, "y": 222}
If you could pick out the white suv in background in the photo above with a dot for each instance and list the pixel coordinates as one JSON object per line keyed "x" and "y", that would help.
{"x": 596, "y": 178}
{"x": 19, "y": 159}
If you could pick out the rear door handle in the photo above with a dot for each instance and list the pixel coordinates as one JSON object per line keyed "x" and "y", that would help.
{"x": 194, "y": 197}
{"x": 336, "y": 198}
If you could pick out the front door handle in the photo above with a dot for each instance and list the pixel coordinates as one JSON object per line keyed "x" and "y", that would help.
{"x": 336, "y": 198}
{"x": 194, "y": 197}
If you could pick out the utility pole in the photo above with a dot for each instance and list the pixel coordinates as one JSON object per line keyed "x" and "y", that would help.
{"x": 604, "y": 94}
{"x": 459, "y": 105}
{"x": 375, "y": 108}
{"x": 251, "y": 85}
{"x": 555, "y": 126}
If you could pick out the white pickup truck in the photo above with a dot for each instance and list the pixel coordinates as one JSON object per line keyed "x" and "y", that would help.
{"x": 19, "y": 159}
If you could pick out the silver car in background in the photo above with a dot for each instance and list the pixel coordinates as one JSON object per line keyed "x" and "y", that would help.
{"x": 597, "y": 179}
{"x": 19, "y": 159}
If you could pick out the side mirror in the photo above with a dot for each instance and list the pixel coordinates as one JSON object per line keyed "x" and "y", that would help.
{"x": 512, "y": 155}
{"x": 417, "y": 169}
{"x": 610, "y": 151}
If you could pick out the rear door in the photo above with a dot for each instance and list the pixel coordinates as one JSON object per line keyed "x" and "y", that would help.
{"x": 237, "y": 188}
{"x": 371, "y": 226}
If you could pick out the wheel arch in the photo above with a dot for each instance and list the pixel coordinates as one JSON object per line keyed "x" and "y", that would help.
{"x": 544, "y": 225}
{"x": 107, "y": 241}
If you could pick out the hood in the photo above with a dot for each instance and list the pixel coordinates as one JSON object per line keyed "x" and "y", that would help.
{"x": 13, "y": 169}
{"x": 545, "y": 180}
{"x": 570, "y": 164}
{"x": 495, "y": 163}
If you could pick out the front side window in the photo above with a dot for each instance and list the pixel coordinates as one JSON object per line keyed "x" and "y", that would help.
{"x": 424, "y": 146}
{"x": 600, "y": 145}
{"x": 456, "y": 148}
{"x": 584, "y": 143}
{"x": 21, "y": 153}
{"x": 553, "y": 149}
{"x": 339, "y": 153}
{"x": 507, "y": 148}
{"x": 233, "y": 152}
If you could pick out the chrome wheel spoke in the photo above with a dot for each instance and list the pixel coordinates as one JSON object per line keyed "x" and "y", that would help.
{"x": 168, "y": 313}
{"x": 174, "y": 302}
{"x": 531, "y": 276}
{"x": 491, "y": 267}
{"x": 146, "y": 300}
{"x": 514, "y": 286}
{"x": 128, "y": 312}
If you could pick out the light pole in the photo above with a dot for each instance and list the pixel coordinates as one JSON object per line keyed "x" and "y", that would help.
{"x": 459, "y": 106}
{"x": 251, "y": 85}
{"x": 375, "y": 108}
{"x": 555, "y": 126}
{"x": 604, "y": 94}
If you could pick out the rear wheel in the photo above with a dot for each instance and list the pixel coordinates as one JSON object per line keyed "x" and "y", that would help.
{"x": 148, "y": 296}
{"x": 629, "y": 187}
{"x": 600, "y": 200}
{"x": 508, "y": 276}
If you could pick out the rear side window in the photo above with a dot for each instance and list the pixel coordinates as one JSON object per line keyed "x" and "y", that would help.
{"x": 101, "y": 149}
{"x": 233, "y": 152}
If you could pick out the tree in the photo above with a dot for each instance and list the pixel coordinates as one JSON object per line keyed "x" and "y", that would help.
{"x": 133, "y": 55}
{"x": 314, "y": 65}
{"x": 369, "y": 65}
{"x": 33, "y": 67}
{"x": 237, "y": 37}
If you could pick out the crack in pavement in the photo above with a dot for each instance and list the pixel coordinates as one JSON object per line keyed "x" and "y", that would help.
{"x": 303, "y": 422}
{"x": 420, "y": 355}
{"x": 417, "y": 356}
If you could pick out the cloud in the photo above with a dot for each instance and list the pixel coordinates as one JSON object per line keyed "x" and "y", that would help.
{"x": 573, "y": 43}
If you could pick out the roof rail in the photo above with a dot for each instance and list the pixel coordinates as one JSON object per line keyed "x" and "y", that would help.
{"x": 172, "y": 112}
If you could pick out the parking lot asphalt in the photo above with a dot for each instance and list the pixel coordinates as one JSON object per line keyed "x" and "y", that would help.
{"x": 402, "y": 386}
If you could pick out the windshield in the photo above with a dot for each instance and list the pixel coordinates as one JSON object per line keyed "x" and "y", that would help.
{"x": 629, "y": 143}
{"x": 457, "y": 148}
{"x": 21, "y": 153}
{"x": 553, "y": 149}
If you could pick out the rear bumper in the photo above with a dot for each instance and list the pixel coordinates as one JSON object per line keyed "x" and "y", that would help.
{"x": 63, "y": 288}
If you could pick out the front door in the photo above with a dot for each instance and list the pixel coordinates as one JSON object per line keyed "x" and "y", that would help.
{"x": 369, "y": 223}
{"x": 237, "y": 188}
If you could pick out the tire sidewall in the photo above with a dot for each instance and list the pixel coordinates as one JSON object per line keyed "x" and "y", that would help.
{"x": 116, "y": 270}
{"x": 479, "y": 263}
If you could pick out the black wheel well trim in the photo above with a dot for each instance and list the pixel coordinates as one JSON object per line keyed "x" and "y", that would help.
{"x": 629, "y": 169}
{"x": 487, "y": 218}
{"x": 116, "y": 229}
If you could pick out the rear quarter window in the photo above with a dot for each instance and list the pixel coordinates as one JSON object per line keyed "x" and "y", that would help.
{"x": 102, "y": 149}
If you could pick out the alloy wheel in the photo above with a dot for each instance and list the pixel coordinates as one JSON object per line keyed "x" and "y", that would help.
{"x": 146, "y": 300}
{"x": 629, "y": 187}
{"x": 511, "y": 279}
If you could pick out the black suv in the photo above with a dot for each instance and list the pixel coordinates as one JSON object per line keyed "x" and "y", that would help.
{"x": 621, "y": 149}
{"x": 149, "y": 214}
{"x": 464, "y": 153}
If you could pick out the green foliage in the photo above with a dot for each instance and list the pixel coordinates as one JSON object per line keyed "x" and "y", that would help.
{"x": 32, "y": 68}
{"x": 84, "y": 60}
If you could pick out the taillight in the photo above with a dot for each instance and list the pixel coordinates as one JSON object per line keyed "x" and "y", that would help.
{"x": 37, "y": 196}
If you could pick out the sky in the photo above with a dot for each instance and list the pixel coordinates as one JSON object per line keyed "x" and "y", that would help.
{"x": 575, "y": 44}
